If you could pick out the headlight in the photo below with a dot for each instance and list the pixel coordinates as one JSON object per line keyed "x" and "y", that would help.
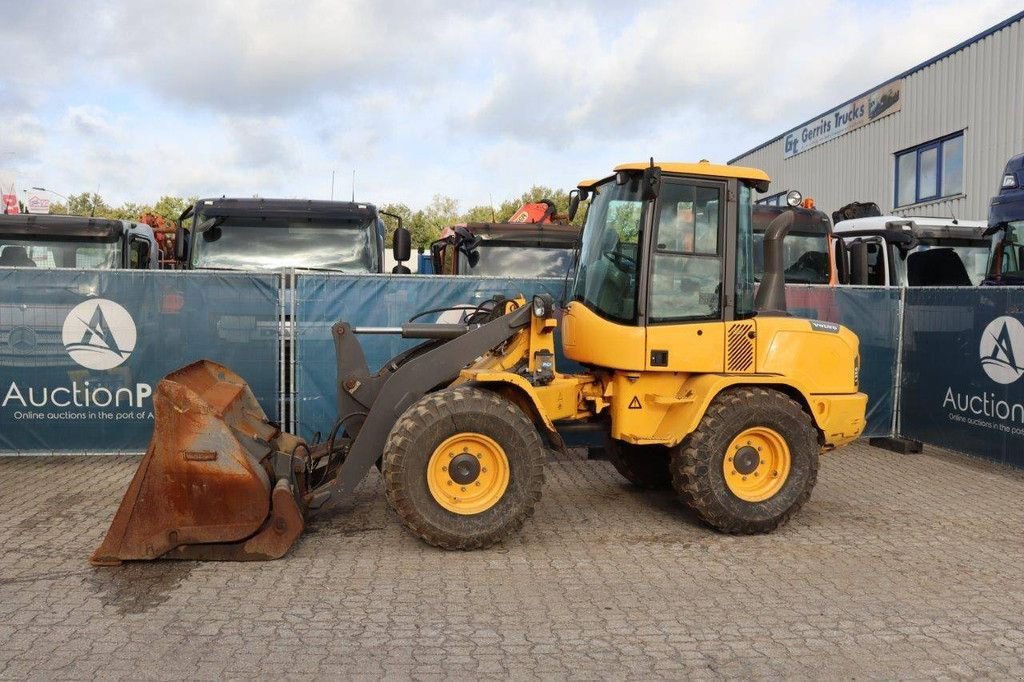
{"x": 542, "y": 305}
{"x": 793, "y": 198}
{"x": 1009, "y": 181}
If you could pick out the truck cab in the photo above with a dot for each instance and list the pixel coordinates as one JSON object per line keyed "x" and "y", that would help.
{"x": 1006, "y": 224}
{"x": 275, "y": 234}
{"x": 506, "y": 250}
{"x": 76, "y": 242}
{"x": 807, "y": 247}
{"x": 889, "y": 250}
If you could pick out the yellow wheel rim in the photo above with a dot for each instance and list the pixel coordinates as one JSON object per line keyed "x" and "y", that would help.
{"x": 468, "y": 473}
{"x": 756, "y": 465}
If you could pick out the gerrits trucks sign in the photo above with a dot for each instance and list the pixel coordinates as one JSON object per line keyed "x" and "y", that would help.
{"x": 886, "y": 100}
{"x": 963, "y": 372}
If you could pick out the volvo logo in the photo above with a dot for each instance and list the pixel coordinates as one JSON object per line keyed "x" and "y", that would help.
{"x": 99, "y": 334}
{"x": 1002, "y": 349}
{"x": 22, "y": 339}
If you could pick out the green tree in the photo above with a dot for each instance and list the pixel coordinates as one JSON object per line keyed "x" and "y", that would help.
{"x": 128, "y": 211}
{"x": 169, "y": 208}
{"x": 479, "y": 214}
{"x": 85, "y": 204}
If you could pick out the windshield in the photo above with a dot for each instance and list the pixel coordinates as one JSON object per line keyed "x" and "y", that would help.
{"x": 606, "y": 277}
{"x": 973, "y": 254}
{"x": 254, "y": 243}
{"x": 517, "y": 260}
{"x": 64, "y": 253}
{"x": 805, "y": 258}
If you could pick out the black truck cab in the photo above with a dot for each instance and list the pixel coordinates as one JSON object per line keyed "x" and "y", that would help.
{"x": 1006, "y": 222}
{"x": 275, "y": 234}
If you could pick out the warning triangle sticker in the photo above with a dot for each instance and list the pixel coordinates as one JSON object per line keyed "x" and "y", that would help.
{"x": 634, "y": 404}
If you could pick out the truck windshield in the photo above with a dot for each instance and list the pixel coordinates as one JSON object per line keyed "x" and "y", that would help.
{"x": 253, "y": 243}
{"x": 508, "y": 259}
{"x": 606, "y": 279}
{"x": 62, "y": 253}
{"x": 974, "y": 254}
{"x": 806, "y": 258}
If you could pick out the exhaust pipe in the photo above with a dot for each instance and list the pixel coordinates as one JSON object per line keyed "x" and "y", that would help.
{"x": 771, "y": 295}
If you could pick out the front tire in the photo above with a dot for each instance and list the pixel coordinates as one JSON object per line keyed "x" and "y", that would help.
{"x": 463, "y": 468}
{"x": 750, "y": 464}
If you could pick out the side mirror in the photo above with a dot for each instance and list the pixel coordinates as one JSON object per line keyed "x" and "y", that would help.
{"x": 574, "y": 203}
{"x": 858, "y": 263}
{"x": 179, "y": 243}
{"x": 651, "y": 183}
{"x": 180, "y": 252}
{"x": 401, "y": 244}
{"x": 841, "y": 254}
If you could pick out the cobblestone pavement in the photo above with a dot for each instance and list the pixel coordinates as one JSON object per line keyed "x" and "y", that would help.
{"x": 901, "y": 565}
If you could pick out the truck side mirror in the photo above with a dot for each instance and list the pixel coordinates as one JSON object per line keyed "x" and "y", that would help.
{"x": 841, "y": 253}
{"x": 858, "y": 262}
{"x": 401, "y": 244}
{"x": 179, "y": 243}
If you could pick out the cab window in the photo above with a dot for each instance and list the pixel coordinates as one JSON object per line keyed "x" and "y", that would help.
{"x": 687, "y": 267}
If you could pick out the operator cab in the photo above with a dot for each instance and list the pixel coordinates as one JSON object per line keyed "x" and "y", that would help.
{"x": 659, "y": 245}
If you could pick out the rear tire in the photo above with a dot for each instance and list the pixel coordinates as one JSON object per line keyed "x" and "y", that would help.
{"x": 751, "y": 463}
{"x": 463, "y": 468}
{"x": 645, "y": 466}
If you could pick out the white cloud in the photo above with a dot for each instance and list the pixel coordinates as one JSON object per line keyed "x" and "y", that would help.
{"x": 472, "y": 100}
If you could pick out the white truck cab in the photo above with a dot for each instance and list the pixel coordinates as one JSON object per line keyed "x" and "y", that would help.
{"x": 899, "y": 251}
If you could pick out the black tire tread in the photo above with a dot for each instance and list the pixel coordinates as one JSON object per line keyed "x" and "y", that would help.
{"x": 442, "y": 405}
{"x": 692, "y": 461}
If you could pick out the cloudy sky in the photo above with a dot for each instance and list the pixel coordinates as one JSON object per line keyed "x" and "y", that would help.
{"x": 140, "y": 98}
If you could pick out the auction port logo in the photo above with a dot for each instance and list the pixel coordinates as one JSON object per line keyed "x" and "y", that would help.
{"x": 99, "y": 334}
{"x": 1002, "y": 349}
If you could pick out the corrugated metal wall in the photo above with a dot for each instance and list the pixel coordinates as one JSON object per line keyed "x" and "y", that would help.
{"x": 979, "y": 89}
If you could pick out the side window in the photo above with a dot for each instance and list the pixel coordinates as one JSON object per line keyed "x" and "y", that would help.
{"x": 876, "y": 263}
{"x": 138, "y": 254}
{"x": 687, "y": 266}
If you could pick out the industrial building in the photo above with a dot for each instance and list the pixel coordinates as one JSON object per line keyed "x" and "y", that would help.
{"x": 932, "y": 140}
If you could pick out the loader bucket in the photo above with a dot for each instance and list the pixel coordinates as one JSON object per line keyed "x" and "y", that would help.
{"x": 218, "y": 480}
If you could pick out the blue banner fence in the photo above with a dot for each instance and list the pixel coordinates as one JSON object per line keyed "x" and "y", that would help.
{"x": 82, "y": 351}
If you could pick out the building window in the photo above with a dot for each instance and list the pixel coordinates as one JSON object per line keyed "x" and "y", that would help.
{"x": 930, "y": 171}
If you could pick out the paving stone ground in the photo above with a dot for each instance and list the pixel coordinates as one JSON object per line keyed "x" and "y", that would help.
{"x": 900, "y": 566}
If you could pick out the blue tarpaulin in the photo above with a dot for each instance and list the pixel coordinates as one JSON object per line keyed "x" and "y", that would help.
{"x": 963, "y": 370}
{"x": 873, "y": 313}
{"x": 376, "y": 301}
{"x": 82, "y": 351}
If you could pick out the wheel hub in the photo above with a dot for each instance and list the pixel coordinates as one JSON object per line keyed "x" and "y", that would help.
{"x": 756, "y": 464}
{"x": 468, "y": 473}
{"x": 464, "y": 469}
{"x": 746, "y": 459}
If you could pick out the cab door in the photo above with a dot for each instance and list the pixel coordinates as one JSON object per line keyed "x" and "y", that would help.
{"x": 686, "y": 300}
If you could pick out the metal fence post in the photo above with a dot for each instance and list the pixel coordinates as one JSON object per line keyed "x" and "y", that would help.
{"x": 898, "y": 374}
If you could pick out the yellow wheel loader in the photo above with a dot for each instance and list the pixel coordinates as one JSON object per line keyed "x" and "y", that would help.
{"x": 698, "y": 386}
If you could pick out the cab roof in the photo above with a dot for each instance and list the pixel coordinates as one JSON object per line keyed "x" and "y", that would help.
{"x": 702, "y": 167}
